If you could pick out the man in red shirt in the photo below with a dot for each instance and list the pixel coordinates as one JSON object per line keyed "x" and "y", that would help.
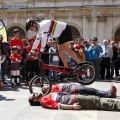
{"x": 16, "y": 41}
{"x": 57, "y": 100}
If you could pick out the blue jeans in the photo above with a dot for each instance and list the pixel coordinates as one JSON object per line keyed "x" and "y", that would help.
{"x": 54, "y": 73}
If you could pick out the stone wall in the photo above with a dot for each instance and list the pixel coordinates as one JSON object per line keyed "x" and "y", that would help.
{"x": 92, "y": 18}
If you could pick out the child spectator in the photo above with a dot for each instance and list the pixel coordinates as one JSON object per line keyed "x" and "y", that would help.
{"x": 15, "y": 67}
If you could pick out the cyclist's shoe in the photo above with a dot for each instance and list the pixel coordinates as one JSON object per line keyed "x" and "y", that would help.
{"x": 113, "y": 90}
{"x": 78, "y": 68}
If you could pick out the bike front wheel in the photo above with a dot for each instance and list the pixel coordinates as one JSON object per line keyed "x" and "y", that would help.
{"x": 86, "y": 74}
{"x": 38, "y": 83}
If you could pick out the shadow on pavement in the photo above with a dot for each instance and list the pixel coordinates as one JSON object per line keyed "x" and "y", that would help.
{"x": 5, "y": 98}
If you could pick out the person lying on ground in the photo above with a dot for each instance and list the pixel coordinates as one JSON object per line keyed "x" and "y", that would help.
{"x": 73, "y": 88}
{"x": 65, "y": 101}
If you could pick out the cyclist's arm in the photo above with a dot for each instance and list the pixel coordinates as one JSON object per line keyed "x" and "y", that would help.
{"x": 44, "y": 39}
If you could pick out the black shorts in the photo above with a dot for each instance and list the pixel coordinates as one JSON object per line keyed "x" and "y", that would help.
{"x": 65, "y": 36}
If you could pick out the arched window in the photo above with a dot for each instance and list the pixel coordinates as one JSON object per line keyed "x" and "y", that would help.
{"x": 11, "y": 34}
{"x": 117, "y": 33}
{"x": 75, "y": 32}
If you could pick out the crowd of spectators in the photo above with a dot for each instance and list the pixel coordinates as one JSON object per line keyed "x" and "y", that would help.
{"x": 105, "y": 57}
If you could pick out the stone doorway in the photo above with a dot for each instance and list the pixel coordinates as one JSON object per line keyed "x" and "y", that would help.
{"x": 117, "y": 36}
{"x": 11, "y": 35}
{"x": 75, "y": 32}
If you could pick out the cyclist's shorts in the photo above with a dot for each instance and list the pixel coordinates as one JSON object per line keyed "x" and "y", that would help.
{"x": 65, "y": 36}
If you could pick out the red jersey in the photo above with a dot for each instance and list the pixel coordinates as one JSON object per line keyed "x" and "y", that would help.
{"x": 15, "y": 58}
{"x": 16, "y": 42}
{"x": 28, "y": 49}
{"x": 52, "y": 100}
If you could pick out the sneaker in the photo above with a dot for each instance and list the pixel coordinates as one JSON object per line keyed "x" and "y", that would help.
{"x": 27, "y": 83}
{"x": 12, "y": 85}
{"x": 18, "y": 84}
{"x": 113, "y": 90}
{"x": 78, "y": 68}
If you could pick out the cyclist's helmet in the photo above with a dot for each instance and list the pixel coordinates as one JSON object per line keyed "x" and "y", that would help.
{"x": 29, "y": 23}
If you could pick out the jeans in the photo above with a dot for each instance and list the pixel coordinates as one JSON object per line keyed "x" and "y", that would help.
{"x": 54, "y": 73}
{"x": 91, "y": 91}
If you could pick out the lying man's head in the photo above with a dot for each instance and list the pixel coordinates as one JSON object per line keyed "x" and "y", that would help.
{"x": 34, "y": 99}
{"x": 45, "y": 88}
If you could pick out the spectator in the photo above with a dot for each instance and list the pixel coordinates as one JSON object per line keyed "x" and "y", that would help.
{"x": 114, "y": 65}
{"x": 86, "y": 51}
{"x": 3, "y": 57}
{"x": 32, "y": 62}
{"x": 45, "y": 54}
{"x": 105, "y": 62}
{"x": 53, "y": 59}
{"x": 16, "y": 41}
{"x": 15, "y": 66}
{"x": 95, "y": 50}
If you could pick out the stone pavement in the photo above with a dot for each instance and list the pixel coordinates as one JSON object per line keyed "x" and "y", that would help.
{"x": 14, "y": 106}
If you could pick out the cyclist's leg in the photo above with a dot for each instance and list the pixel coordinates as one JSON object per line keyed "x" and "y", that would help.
{"x": 64, "y": 42}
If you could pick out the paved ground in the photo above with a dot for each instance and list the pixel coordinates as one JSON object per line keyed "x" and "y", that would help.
{"x": 14, "y": 106}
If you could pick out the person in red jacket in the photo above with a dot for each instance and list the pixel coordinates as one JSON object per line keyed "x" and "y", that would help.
{"x": 65, "y": 101}
{"x": 16, "y": 41}
{"x": 73, "y": 88}
{"x": 32, "y": 62}
{"x": 15, "y": 66}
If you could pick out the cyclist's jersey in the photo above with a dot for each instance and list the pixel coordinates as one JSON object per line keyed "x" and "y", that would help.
{"x": 53, "y": 100}
{"x": 67, "y": 88}
{"x": 47, "y": 28}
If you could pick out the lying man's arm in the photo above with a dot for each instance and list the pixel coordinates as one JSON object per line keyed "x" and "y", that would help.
{"x": 75, "y": 106}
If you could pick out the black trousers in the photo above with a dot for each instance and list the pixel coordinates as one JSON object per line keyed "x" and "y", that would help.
{"x": 105, "y": 66}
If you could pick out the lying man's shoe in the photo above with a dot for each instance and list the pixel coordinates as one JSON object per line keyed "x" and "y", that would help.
{"x": 113, "y": 91}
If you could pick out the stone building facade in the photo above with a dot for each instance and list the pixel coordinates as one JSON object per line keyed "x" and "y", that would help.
{"x": 87, "y": 18}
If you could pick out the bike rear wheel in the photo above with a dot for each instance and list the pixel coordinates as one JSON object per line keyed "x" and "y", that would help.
{"x": 87, "y": 73}
{"x": 38, "y": 82}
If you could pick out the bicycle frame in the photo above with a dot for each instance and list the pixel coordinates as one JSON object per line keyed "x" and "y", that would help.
{"x": 61, "y": 69}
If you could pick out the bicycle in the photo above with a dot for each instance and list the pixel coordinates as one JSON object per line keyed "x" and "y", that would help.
{"x": 85, "y": 76}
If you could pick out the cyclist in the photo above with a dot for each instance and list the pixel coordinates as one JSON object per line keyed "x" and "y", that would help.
{"x": 55, "y": 29}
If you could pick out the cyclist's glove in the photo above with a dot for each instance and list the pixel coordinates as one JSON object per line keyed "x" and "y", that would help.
{"x": 31, "y": 53}
{"x": 42, "y": 49}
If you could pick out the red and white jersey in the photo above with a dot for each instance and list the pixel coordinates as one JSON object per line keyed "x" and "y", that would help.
{"x": 52, "y": 100}
{"x": 48, "y": 27}
{"x": 67, "y": 88}
{"x": 15, "y": 58}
